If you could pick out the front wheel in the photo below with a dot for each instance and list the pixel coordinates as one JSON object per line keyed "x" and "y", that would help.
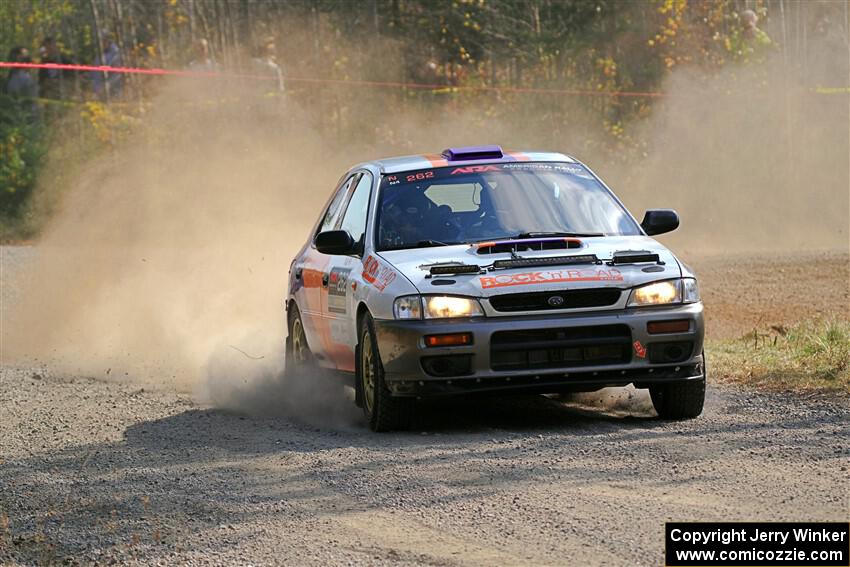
{"x": 679, "y": 400}
{"x": 383, "y": 411}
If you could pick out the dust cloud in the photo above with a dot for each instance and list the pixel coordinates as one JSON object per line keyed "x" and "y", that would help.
{"x": 168, "y": 261}
{"x": 755, "y": 159}
{"x": 174, "y": 249}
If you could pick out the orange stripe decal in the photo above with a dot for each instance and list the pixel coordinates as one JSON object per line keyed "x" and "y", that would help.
{"x": 519, "y": 156}
{"x": 436, "y": 160}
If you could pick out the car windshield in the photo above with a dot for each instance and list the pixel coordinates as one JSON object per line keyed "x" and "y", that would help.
{"x": 454, "y": 205}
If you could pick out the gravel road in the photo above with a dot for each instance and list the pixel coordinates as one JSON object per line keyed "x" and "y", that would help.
{"x": 106, "y": 471}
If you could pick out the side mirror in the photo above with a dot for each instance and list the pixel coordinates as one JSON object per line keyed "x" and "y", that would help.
{"x": 335, "y": 242}
{"x": 659, "y": 221}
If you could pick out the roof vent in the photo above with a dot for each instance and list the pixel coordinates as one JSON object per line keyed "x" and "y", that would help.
{"x": 472, "y": 153}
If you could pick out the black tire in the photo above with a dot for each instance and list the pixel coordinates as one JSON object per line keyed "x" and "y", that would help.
{"x": 299, "y": 359}
{"x": 383, "y": 411}
{"x": 679, "y": 400}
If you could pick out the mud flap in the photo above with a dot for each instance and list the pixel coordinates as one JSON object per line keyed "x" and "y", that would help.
{"x": 287, "y": 354}
{"x": 358, "y": 388}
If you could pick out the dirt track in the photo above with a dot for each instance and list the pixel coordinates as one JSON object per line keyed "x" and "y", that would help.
{"x": 96, "y": 471}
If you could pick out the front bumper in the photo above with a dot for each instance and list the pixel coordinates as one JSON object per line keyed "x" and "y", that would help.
{"x": 408, "y": 371}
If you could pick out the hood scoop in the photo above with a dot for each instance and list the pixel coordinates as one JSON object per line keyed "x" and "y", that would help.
{"x": 548, "y": 261}
{"x": 635, "y": 257}
{"x": 527, "y": 245}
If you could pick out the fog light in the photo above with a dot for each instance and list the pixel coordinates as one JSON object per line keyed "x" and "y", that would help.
{"x": 676, "y": 326}
{"x": 448, "y": 366}
{"x": 454, "y": 339}
{"x": 661, "y": 353}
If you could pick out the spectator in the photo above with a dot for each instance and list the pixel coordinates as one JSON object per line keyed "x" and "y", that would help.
{"x": 108, "y": 84}
{"x": 265, "y": 62}
{"x": 55, "y": 83}
{"x": 750, "y": 43}
{"x": 202, "y": 60}
{"x": 21, "y": 85}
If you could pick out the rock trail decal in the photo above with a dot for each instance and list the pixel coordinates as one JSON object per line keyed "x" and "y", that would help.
{"x": 551, "y": 276}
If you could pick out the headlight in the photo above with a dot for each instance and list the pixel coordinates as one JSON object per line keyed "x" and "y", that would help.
{"x": 408, "y": 307}
{"x": 666, "y": 292}
{"x": 440, "y": 306}
{"x": 435, "y": 307}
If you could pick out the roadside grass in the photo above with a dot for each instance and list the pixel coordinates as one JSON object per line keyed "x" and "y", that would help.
{"x": 813, "y": 355}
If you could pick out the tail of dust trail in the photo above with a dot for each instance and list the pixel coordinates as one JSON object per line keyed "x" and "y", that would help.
{"x": 168, "y": 260}
{"x": 170, "y": 255}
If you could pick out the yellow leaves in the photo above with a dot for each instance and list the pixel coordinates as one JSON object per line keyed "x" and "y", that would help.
{"x": 615, "y": 129}
{"x": 105, "y": 120}
{"x": 607, "y": 66}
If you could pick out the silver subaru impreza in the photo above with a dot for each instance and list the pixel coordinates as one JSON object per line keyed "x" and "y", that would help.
{"x": 486, "y": 270}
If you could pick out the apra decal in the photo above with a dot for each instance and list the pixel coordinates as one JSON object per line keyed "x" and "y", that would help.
{"x": 475, "y": 169}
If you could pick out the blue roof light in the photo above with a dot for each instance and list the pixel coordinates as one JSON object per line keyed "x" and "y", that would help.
{"x": 472, "y": 153}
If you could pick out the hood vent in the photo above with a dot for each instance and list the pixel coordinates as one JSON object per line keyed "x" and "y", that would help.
{"x": 549, "y": 261}
{"x": 635, "y": 257}
{"x": 533, "y": 245}
{"x": 452, "y": 269}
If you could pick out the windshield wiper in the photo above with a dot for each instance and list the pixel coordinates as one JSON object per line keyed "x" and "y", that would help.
{"x": 538, "y": 234}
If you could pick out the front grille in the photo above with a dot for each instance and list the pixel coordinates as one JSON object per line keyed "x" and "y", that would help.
{"x": 543, "y": 300}
{"x": 559, "y": 348}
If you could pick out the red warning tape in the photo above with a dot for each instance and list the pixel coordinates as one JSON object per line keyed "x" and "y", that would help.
{"x": 353, "y": 82}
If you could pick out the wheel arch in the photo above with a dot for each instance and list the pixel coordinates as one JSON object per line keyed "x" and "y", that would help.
{"x": 362, "y": 311}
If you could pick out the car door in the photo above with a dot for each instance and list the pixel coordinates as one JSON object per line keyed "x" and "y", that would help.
{"x": 312, "y": 270}
{"x": 338, "y": 306}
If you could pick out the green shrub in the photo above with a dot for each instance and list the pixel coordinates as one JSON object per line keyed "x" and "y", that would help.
{"x": 22, "y": 151}
{"x": 812, "y": 355}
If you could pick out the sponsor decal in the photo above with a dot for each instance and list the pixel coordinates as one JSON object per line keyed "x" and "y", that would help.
{"x": 640, "y": 350}
{"x": 377, "y": 274}
{"x": 337, "y": 282}
{"x": 475, "y": 169}
{"x": 559, "y": 167}
{"x": 552, "y": 276}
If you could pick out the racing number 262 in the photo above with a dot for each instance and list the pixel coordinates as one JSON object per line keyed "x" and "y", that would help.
{"x": 420, "y": 176}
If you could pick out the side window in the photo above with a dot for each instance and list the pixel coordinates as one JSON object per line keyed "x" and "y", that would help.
{"x": 335, "y": 208}
{"x": 354, "y": 220}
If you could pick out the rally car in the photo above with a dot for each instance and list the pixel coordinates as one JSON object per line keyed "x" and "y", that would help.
{"x": 483, "y": 270}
